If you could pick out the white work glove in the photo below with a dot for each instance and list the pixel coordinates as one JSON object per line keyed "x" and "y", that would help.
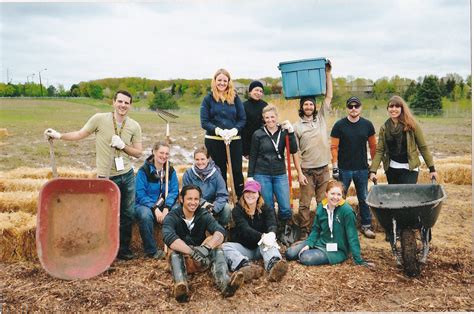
{"x": 268, "y": 241}
{"x": 218, "y": 131}
{"x": 233, "y": 132}
{"x": 117, "y": 142}
{"x": 286, "y": 125}
{"x": 208, "y": 206}
{"x": 52, "y": 134}
{"x": 226, "y": 135}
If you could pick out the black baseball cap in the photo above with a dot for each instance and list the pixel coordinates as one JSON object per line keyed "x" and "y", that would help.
{"x": 353, "y": 99}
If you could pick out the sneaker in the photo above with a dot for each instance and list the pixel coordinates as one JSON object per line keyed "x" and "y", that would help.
{"x": 126, "y": 256}
{"x": 277, "y": 269}
{"x": 235, "y": 282}
{"x": 367, "y": 232}
{"x": 159, "y": 254}
{"x": 251, "y": 272}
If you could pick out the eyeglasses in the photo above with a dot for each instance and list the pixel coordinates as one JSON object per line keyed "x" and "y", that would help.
{"x": 357, "y": 106}
{"x": 394, "y": 105}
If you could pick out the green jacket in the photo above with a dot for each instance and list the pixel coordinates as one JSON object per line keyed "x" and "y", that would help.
{"x": 415, "y": 142}
{"x": 344, "y": 233}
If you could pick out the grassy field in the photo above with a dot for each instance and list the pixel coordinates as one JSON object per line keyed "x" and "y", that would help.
{"x": 26, "y": 119}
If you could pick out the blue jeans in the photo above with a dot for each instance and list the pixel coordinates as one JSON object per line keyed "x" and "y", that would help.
{"x": 311, "y": 257}
{"x": 278, "y": 186}
{"x": 146, "y": 223}
{"x": 126, "y": 185}
{"x": 361, "y": 179}
{"x": 235, "y": 252}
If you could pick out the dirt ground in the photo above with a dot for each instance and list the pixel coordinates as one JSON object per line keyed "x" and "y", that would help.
{"x": 142, "y": 284}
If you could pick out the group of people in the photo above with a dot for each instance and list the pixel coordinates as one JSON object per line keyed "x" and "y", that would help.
{"x": 196, "y": 219}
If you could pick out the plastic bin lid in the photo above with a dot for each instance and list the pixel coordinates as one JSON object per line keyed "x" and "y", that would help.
{"x": 304, "y": 60}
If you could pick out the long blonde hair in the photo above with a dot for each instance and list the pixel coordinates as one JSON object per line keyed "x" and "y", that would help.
{"x": 229, "y": 93}
{"x": 406, "y": 117}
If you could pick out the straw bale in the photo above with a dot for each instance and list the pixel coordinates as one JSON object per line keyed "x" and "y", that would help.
{"x": 28, "y": 184}
{"x": 454, "y": 173}
{"x": 465, "y": 159}
{"x": 3, "y": 132}
{"x": 24, "y": 201}
{"x": 42, "y": 173}
{"x": 17, "y": 237}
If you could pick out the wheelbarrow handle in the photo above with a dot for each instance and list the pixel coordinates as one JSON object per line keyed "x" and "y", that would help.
{"x": 53, "y": 160}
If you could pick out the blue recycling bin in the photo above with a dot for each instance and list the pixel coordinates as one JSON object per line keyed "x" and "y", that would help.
{"x": 302, "y": 78}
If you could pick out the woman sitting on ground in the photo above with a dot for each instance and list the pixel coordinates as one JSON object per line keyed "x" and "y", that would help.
{"x": 207, "y": 176}
{"x": 333, "y": 235}
{"x": 254, "y": 237}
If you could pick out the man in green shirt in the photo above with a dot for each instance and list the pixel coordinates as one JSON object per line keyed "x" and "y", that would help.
{"x": 117, "y": 138}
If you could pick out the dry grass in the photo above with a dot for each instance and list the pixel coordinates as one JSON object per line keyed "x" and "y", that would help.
{"x": 8, "y": 184}
{"x": 17, "y": 237}
{"x": 3, "y": 132}
{"x": 19, "y": 201}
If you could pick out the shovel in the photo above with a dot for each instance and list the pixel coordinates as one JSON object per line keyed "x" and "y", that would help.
{"x": 77, "y": 228}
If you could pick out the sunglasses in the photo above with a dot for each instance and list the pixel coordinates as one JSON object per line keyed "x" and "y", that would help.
{"x": 394, "y": 105}
{"x": 357, "y": 106}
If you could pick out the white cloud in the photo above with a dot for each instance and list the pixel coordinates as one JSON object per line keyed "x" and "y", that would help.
{"x": 191, "y": 39}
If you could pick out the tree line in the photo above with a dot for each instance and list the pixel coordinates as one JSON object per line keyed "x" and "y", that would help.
{"x": 425, "y": 92}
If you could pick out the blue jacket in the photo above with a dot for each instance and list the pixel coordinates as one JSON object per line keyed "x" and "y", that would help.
{"x": 213, "y": 187}
{"x": 217, "y": 114}
{"x": 148, "y": 188}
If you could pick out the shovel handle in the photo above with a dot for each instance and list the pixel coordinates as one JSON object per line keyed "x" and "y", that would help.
{"x": 231, "y": 175}
{"x": 53, "y": 160}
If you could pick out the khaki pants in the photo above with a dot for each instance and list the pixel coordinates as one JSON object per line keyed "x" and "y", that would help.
{"x": 318, "y": 179}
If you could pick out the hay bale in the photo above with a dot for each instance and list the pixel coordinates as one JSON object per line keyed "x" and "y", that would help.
{"x": 17, "y": 237}
{"x": 46, "y": 173}
{"x": 3, "y": 132}
{"x": 24, "y": 201}
{"x": 466, "y": 160}
{"x": 454, "y": 173}
{"x": 10, "y": 185}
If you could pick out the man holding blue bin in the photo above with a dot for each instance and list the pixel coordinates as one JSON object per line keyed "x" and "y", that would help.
{"x": 313, "y": 157}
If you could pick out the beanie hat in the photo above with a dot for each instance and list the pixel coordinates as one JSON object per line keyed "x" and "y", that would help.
{"x": 308, "y": 98}
{"x": 255, "y": 84}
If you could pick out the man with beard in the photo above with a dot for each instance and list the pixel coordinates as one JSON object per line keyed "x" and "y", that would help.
{"x": 313, "y": 157}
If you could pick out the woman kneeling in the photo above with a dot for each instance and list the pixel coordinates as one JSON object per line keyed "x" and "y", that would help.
{"x": 333, "y": 234}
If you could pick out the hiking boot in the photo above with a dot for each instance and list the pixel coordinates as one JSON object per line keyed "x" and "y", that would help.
{"x": 251, "y": 271}
{"x": 367, "y": 232}
{"x": 236, "y": 281}
{"x": 277, "y": 268}
{"x": 159, "y": 254}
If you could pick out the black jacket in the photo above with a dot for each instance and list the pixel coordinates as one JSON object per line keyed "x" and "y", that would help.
{"x": 175, "y": 228}
{"x": 263, "y": 157}
{"x": 253, "y": 111}
{"x": 248, "y": 231}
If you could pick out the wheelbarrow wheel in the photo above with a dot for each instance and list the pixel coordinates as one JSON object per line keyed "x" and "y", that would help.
{"x": 409, "y": 252}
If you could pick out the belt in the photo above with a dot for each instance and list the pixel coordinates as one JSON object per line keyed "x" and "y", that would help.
{"x": 317, "y": 168}
{"x": 215, "y": 137}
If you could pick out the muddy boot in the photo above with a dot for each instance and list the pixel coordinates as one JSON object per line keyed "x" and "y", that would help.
{"x": 180, "y": 290}
{"x": 249, "y": 270}
{"x": 226, "y": 284}
{"x": 277, "y": 268}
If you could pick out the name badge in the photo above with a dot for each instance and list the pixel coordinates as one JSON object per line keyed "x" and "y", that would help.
{"x": 119, "y": 163}
{"x": 331, "y": 247}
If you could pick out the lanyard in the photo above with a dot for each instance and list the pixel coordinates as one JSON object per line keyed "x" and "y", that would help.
{"x": 330, "y": 220}
{"x": 275, "y": 144}
{"x": 117, "y": 152}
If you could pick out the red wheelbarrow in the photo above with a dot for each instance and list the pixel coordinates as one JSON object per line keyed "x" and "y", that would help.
{"x": 77, "y": 230}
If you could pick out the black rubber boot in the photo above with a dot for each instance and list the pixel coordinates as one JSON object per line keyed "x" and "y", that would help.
{"x": 226, "y": 284}
{"x": 181, "y": 290}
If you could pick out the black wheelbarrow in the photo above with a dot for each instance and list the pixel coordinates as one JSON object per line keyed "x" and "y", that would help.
{"x": 403, "y": 210}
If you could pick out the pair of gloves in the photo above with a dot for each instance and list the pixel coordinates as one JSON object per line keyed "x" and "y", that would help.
{"x": 116, "y": 142}
{"x": 268, "y": 241}
{"x": 226, "y": 134}
{"x": 201, "y": 254}
{"x": 286, "y": 125}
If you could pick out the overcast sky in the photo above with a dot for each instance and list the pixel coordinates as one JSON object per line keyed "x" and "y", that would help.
{"x": 191, "y": 39}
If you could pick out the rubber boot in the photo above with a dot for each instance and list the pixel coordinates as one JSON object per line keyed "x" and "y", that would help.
{"x": 181, "y": 290}
{"x": 226, "y": 284}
